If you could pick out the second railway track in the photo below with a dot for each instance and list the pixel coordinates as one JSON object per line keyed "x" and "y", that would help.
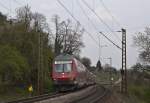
{"x": 98, "y": 95}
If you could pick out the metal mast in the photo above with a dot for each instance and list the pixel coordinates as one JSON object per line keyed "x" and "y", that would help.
{"x": 124, "y": 63}
{"x": 40, "y": 65}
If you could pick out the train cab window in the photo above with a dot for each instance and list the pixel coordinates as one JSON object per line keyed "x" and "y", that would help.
{"x": 58, "y": 67}
{"x": 67, "y": 67}
{"x": 63, "y": 67}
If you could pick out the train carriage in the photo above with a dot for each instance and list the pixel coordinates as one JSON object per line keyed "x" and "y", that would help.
{"x": 69, "y": 73}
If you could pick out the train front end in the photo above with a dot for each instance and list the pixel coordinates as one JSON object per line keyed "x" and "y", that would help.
{"x": 63, "y": 74}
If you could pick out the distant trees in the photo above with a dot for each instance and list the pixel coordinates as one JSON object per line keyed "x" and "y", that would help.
{"x": 137, "y": 67}
{"x": 2, "y": 19}
{"x": 86, "y": 61}
{"x": 142, "y": 40}
{"x": 109, "y": 68}
{"x": 98, "y": 65}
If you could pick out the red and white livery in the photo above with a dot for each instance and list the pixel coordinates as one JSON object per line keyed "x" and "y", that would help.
{"x": 68, "y": 72}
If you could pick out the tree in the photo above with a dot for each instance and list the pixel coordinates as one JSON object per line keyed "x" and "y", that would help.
{"x": 98, "y": 65}
{"x": 72, "y": 38}
{"x": 13, "y": 66}
{"x": 142, "y": 40}
{"x": 39, "y": 22}
{"x": 137, "y": 67}
{"x": 23, "y": 35}
{"x": 58, "y": 35}
{"x": 86, "y": 61}
{"x": 67, "y": 36}
{"x": 24, "y": 15}
{"x": 108, "y": 68}
{"x": 3, "y": 19}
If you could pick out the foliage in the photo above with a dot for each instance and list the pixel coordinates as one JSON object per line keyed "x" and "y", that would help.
{"x": 142, "y": 40}
{"x": 141, "y": 92}
{"x": 13, "y": 66}
{"x": 86, "y": 61}
{"x": 137, "y": 67}
{"x": 139, "y": 83}
{"x": 98, "y": 65}
{"x": 2, "y": 19}
{"x": 19, "y": 49}
{"x": 48, "y": 85}
{"x": 67, "y": 37}
{"x": 24, "y": 39}
{"x": 109, "y": 68}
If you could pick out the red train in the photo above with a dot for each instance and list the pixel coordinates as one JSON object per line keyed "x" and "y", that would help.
{"x": 69, "y": 73}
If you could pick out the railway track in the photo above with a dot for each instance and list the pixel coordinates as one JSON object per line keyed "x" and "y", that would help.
{"x": 38, "y": 98}
{"x": 98, "y": 95}
{"x": 46, "y": 96}
{"x": 95, "y": 95}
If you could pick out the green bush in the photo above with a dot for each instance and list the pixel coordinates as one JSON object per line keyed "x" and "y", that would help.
{"x": 48, "y": 85}
{"x": 146, "y": 95}
{"x": 141, "y": 92}
{"x": 13, "y": 65}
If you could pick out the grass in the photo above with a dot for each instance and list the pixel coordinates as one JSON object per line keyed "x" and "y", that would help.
{"x": 10, "y": 93}
{"x": 140, "y": 91}
{"x": 13, "y": 93}
{"x": 105, "y": 77}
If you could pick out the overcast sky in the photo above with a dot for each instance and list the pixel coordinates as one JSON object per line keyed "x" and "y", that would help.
{"x": 133, "y": 15}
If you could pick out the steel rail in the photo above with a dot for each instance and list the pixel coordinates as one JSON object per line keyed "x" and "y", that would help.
{"x": 44, "y": 96}
{"x": 38, "y": 98}
{"x": 82, "y": 98}
{"x": 97, "y": 99}
{"x": 102, "y": 97}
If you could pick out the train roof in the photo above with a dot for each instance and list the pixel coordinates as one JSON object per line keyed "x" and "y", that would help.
{"x": 63, "y": 57}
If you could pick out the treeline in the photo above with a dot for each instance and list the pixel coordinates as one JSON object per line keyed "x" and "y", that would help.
{"x": 19, "y": 46}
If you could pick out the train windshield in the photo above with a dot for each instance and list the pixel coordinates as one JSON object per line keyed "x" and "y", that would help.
{"x": 58, "y": 67}
{"x": 63, "y": 67}
{"x": 67, "y": 67}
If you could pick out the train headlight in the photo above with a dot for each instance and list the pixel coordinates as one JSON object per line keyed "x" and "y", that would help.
{"x": 54, "y": 79}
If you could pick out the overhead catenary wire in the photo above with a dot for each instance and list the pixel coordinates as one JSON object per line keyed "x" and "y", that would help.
{"x": 101, "y": 20}
{"x": 110, "y": 41}
{"x": 109, "y": 12}
{"x": 94, "y": 26}
{"x": 17, "y": 2}
{"x": 81, "y": 25}
{"x": 86, "y": 15}
{"x": 2, "y": 5}
{"x": 77, "y": 21}
{"x": 103, "y": 61}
